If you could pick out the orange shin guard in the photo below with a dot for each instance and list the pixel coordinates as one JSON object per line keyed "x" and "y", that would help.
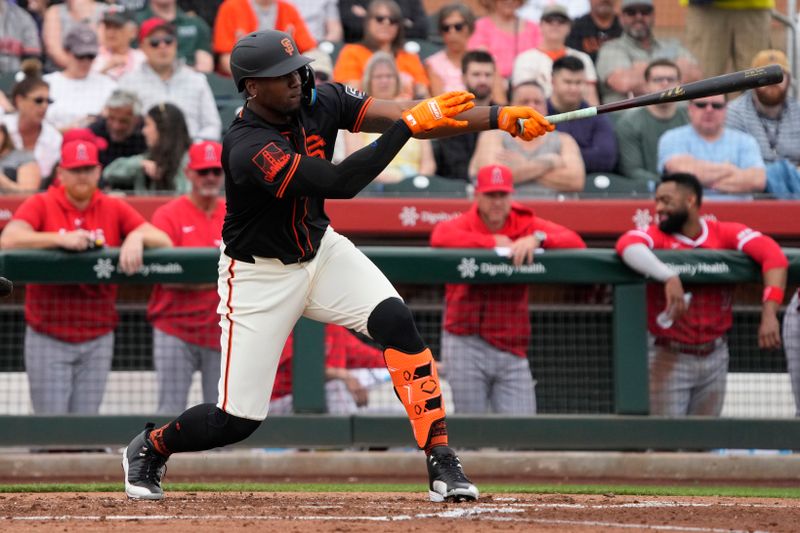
{"x": 416, "y": 383}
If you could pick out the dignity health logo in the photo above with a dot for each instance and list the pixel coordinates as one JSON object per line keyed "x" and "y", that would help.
{"x": 469, "y": 267}
{"x": 105, "y": 267}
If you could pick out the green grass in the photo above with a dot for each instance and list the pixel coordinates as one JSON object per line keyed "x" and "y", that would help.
{"x": 629, "y": 490}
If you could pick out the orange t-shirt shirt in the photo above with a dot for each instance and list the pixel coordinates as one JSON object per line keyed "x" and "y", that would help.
{"x": 236, "y": 18}
{"x": 354, "y": 57}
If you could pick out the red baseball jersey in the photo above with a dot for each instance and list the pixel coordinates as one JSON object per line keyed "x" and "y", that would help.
{"x": 189, "y": 314}
{"x": 75, "y": 313}
{"x": 498, "y": 313}
{"x": 710, "y": 312}
{"x": 342, "y": 350}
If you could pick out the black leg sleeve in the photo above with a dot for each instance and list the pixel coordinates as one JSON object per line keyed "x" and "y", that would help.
{"x": 204, "y": 427}
{"x": 392, "y": 325}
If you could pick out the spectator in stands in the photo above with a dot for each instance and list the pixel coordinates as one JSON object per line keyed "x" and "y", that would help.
{"x": 163, "y": 79}
{"x": 639, "y": 130}
{"x": 121, "y": 127}
{"x": 593, "y": 29}
{"x": 721, "y": 31}
{"x": 205, "y": 9}
{"x": 27, "y": 127}
{"x": 184, "y": 317}
{"x": 382, "y": 81}
{"x": 354, "y": 13}
{"x": 621, "y": 62}
{"x": 70, "y": 328}
{"x": 382, "y": 33}
{"x": 19, "y": 37}
{"x": 536, "y": 64}
{"x": 352, "y": 368}
{"x": 546, "y": 165}
{"x": 723, "y": 159}
{"x": 77, "y": 92}
{"x": 453, "y": 154}
{"x": 237, "y": 18}
{"x": 595, "y": 135}
{"x": 772, "y": 117}
{"x": 194, "y": 35}
{"x": 503, "y": 34}
{"x": 59, "y": 19}
{"x": 456, "y": 22}
{"x": 486, "y": 329}
{"x": 688, "y": 349}
{"x": 532, "y": 9}
{"x": 322, "y": 19}
{"x": 18, "y": 169}
{"x": 116, "y": 57}
{"x": 160, "y": 168}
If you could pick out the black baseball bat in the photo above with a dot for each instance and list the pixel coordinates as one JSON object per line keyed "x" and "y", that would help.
{"x": 725, "y": 83}
{"x": 6, "y": 287}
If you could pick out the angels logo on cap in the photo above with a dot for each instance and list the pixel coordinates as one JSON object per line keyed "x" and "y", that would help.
{"x": 79, "y": 153}
{"x": 495, "y": 178}
{"x": 205, "y": 154}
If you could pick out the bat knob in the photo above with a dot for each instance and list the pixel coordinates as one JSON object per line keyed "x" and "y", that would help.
{"x": 520, "y": 126}
{"x": 6, "y": 287}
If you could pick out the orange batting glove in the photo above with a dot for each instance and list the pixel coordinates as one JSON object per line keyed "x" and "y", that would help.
{"x": 436, "y": 112}
{"x": 535, "y": 124}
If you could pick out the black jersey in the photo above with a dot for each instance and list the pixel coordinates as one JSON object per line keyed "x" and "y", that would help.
{"x": 268, "y": 211}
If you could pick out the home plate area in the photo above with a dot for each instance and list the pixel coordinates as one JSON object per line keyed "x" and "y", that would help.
{"x": 200, "y": 512}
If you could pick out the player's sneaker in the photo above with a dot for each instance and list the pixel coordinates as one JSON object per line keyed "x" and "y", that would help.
{"x": 447, "y": 481}
{"x": 144, "y": 467}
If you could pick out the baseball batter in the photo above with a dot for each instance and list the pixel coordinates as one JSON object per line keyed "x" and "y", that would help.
{"x": 280, "y": 259}
{"x": 689, "y": 357}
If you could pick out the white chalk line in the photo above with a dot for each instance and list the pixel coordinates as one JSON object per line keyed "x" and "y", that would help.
{"x": 481, "y": 512}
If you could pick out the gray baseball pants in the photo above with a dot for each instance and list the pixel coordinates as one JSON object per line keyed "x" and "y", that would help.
{"x": 176, "y": 362}
{"x": 485, "y": 379}
{"x": 66, "y": 377}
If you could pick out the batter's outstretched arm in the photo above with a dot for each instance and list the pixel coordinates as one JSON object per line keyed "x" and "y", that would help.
{"x": 382, "y": 113}
{"x": 319, "y": 178}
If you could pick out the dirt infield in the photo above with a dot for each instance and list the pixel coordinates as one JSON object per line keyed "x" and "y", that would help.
{"x": 233, "y": 512}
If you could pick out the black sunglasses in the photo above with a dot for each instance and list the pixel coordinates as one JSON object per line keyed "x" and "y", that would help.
{"x": 210, "y": 171}
{"x": 458, "y": 26}
{"x": 381, "y": 19}
{"x": 85, "y": 57}
{"x": 155, "y": 42}
{"x": 641, "y": 10}
{"x": 714, "y": 105}
{"x": 39, "y": 100}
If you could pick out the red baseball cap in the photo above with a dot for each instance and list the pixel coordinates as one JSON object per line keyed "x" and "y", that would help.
{"x": 152, "y": 24}
{"x": 205, "y": 154}
{"x": 495, "y": 178}
{"x": 84, "y": 134}
{"x": 77, "y": 154}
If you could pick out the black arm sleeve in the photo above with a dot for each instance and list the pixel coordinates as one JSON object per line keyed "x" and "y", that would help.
{"x": 319, "y": 178}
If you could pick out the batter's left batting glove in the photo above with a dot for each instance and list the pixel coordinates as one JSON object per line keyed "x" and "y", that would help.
{"x": 535, "y": 124}
{"x": 436, "y": 112}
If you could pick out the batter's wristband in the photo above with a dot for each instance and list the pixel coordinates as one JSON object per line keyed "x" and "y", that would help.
{"x": 494, "y": 113}
{"x": 772, "y": 293}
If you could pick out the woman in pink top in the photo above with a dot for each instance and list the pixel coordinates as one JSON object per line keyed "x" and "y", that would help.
{"x": 456, "y": 22}
{"x": 503, "y": 34}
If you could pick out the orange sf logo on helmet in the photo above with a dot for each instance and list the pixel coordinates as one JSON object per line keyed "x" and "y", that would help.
{"x": 287, "y": 45}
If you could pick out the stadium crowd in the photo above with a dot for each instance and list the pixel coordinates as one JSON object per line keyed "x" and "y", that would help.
{"x": 123, "y": 68}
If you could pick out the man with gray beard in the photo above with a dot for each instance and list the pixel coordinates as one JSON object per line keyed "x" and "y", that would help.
{"x": 454, "y": 153}
{"x": 774, "y": 120}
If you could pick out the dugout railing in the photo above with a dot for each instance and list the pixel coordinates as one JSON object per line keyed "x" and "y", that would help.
{"x": 626, "y": 426}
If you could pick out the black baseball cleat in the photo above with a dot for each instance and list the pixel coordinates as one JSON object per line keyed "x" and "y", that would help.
{"x": 447, "y": 481}
{"x": 144, "y": 467}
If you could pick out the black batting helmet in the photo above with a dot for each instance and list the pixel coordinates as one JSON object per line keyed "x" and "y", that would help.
{"x": 265, "y": 54}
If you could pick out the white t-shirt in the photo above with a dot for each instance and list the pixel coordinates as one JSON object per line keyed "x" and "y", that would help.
{"x": 535, "y": 65}
{"x": 74, "y": 100}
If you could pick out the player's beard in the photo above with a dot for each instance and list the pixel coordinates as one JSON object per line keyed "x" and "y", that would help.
{"x": 673, "y": 222}
{"x": 481, "y": 92}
